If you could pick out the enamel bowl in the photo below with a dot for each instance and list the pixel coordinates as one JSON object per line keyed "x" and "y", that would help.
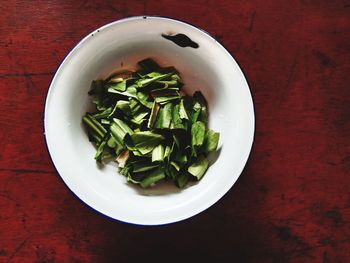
{"x": 204, "y": 64}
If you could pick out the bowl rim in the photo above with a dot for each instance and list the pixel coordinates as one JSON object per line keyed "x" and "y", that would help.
{"x": 250, "y": 140}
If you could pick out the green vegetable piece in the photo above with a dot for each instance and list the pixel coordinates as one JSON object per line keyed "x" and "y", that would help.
{"x": 196, "y": 110}
{"x": 117, "y": 134}
{"x": 106, "y": 156}
{"x": 182, "y": 180}
{"x": 162, "y": 100}
{"x": 135, "y": 178}
{"x": 123, "y": 126}
{"x": 137, "y": 153}
{"x": 144, "y": 150}
{"x": 164, "y": 92}
{"x": 158, "y": 153}
{"x": 124, "y": 106}
{"x": 153, "y": 116}
{"x": 132, "y": 91}
{"x": 118, "y": 149}
{"x": 143, "y": 99}
{"x": 105, "y": 121}
{"x": 180, "y": 158}
{"x": 140, "y": 117}
{"x": 154, "y": 177}
{"x": 119, "y": 130}
{"x": 111, "y": 142}
{"x": 199, "y": 167}
{"x": 100, "y": 100}
{"x": 94, "y": 125}
{"x": 129, "y": 92}
{"x": 146, "y": 81}
{"x": 143, "y": 166}
{"x": 175, "y": 76}
{"x": 165, "y": 89}
{"x": 135, "y": 105}
{"x": 145, "y": 141}
{"x": 99, "y": 151}
{"x": 164, "y": 117}
{"x": 176, "y": 140}
{"x": 119, "y": 86}
{"x": 176, "y": 120}
{"x": 169, "y": 83}
{"x": 182, "y": 110}
{"x": 112, "y": 112}
{"x": 125, "y": 170}
{"x": 175, "y": 165}
{"x": 103, "y": 114}
{"x": 203, "y": 115}
{"x": 93, "y": 137}
{"x": 171, "y": 172}
{"x": 153, "y": 75}
{"x": 197, "y": 133}
{"x": 167, "y": 152}
{"x": 211, "y": 141}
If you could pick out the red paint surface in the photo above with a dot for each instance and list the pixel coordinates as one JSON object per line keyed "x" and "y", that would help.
{"x": 292, "y": 202}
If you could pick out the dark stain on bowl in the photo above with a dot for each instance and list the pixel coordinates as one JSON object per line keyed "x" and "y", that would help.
{"x": 181, "y": 40}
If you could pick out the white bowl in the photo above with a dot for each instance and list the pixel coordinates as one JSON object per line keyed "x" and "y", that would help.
{"x": 119, "y": 45}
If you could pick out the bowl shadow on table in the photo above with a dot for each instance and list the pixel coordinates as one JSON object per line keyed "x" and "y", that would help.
{"x": 167, "y": 187}
{"x": 226, "y": 232}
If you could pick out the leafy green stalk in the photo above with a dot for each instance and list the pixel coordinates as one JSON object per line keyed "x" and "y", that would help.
{"x": 94, "y": 125}
{"x": 100, "y": 150}
{"x": 154, "y": 114}
{"x": 197, "y": 133}
{"x": 145, "y": 141}
{"x": 182, "y": 180}
{"x": 164, "y": 117}
{"x": 119, "y": 130}
{"x": 211, "y": 141}
{"x": 158, "y": 153}
{"x": 199, "y": 167}
{"x": 154, "y": 177}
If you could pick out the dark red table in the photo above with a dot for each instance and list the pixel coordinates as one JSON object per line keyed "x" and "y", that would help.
{"x": 292, "y": 202}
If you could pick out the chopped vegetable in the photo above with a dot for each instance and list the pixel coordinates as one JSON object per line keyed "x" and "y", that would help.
{"x": 146, "y": 141}
{"x": 211, "y": 141}
{"x": 164, "y": 118}
{"x": 158, "y": 153}
{"x": 198, "y": 132}
{"x": 154, "y": 177}
{"x": 199, "y": 167}
{"x": 150, "y": 130}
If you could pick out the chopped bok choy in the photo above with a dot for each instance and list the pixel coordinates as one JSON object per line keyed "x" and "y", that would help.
{"x": 144, "y": 123}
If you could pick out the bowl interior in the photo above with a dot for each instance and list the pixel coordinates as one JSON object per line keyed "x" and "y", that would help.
{"x": 119, "y": 46}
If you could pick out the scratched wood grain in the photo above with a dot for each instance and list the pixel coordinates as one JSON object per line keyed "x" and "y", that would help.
{"x": 291, "y": 203}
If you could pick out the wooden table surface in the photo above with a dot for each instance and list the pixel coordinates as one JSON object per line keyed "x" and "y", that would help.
{"x": 292, "y": 201}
